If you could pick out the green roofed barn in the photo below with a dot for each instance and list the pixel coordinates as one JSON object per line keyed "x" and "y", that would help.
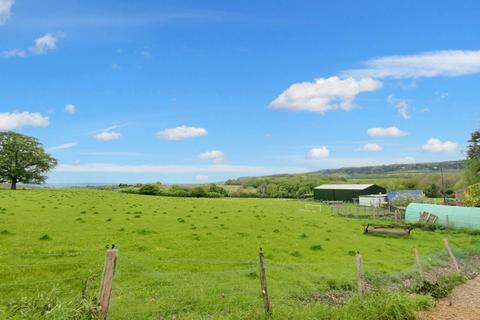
{"x": 345, "y": 192}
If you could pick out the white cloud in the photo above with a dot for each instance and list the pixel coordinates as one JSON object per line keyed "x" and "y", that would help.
{"x": 43, "y": 44}
{"x": 40, "y": 46}
{"x": 182, "y": 132}
{"x": 175, "y": 169}
{"x": 436, "y": 145}
{"x": 201, "y": 177}
{"x": 16, "y": 120}
{"x": 63, "y": 146}
{"x": 401, "y": 105}
{"x": 427, "y": 64}
{"x": 317, "y": 153}
{"x": 371, "y": 147}
{"x": 70, "y": 108}
{"x": 386, "y": 132}
{"x": 5, "y": 10}
{"x": 215, "y": 155}
{"x": 406, "y": 160}
{"x": 108, "y": 135}
{"x": 324, "y": 94}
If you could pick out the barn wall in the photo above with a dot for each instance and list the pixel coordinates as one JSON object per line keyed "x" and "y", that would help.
{"x": 345, "y": 195}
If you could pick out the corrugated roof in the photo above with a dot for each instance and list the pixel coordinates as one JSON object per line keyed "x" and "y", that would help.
{"x": 344, "y": 186}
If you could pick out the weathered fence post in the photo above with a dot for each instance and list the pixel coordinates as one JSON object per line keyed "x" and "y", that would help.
{"x": 452, "y": 256}
{"x": 360, "y": 276}
{"x": 263, "y": 283}
{"x": 107, "y": 282}
{"x": 418, "y": 262}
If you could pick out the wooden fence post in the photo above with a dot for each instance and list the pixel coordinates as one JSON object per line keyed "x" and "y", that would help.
{"x": 107, "y": 282}
{"x": 452, "y": 256}
{"x": 360, "y": 276}
{"x": 418, "y": 262}
{"x": 263, "y": 283}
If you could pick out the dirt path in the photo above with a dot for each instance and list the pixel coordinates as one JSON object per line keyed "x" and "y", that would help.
{"x": 465, "y": 304}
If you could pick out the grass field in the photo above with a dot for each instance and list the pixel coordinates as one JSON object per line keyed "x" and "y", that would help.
{"x": 192, "y": 258}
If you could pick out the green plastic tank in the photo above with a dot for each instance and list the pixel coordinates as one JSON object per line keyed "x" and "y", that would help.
{"x": 458, "y": 217}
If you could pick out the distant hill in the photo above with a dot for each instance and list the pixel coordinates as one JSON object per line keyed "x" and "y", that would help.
{"x": 393, "y": 170}
{"x": 392, "y": 177}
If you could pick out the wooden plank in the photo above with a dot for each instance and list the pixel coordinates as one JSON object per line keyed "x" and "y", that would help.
{"x": 452, "y": 256}
{"x": 360, "y": 276}
{"x": 389, "y": 232}
{"x": 107, "y": 282}
{"x": 418, "y": 262}
{"x": 263, "y": 283}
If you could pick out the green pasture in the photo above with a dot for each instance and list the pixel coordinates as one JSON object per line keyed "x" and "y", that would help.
{"x": 190, "y": 258}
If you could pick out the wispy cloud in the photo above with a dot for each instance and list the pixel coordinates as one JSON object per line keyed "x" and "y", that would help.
{"x": 16, "y": 120}
{"x": 450, "y": 63}
{"x": 41, "y": 45}
{"x": 401, "y": 106}
{"x": 386, "y": 132}
{"x": 174, "y": 169}
{"x": 215, "y": 155}
{"x": 370, "y": 147}
{"x": 406, "y": 160}
{"x": 70, "y": 108}
{"x": 63, "y": 146}
{"x": 5, "y": 10}
{"x": 108, "y": 136}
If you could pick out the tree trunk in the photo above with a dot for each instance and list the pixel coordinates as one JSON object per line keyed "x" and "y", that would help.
{"x": 14, "y": 184}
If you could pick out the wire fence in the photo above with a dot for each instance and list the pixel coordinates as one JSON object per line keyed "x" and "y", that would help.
{"x": 356, "y": 211}
{"x": 147, "y": 285}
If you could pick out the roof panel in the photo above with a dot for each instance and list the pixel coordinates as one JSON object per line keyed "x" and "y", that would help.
{"x": 344, "y": 186}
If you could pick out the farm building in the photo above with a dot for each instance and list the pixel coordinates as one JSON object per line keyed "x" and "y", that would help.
{"x": 392, "y": 195}
{"x": 345, "y": 192}
{"x": 373, "y": 200}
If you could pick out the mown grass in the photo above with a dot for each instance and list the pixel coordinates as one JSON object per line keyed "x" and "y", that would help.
{"x": 193, "y": 258}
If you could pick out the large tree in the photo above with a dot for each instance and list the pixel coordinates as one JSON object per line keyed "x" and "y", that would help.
{"x": 23, "y": 159}
{"x": 472, "y": 173}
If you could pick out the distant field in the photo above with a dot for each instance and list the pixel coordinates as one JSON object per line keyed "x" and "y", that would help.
{"x": 192, "y": 258}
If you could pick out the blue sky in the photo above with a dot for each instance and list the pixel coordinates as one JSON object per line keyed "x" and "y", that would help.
{"x": 200, "y": 91}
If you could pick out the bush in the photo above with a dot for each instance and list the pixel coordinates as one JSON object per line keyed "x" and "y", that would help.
{"x": 432, "y": 191}
{"x": 442, "y": 287}
{"x": 472, "y": 195}
{"x": 149, "y": 189}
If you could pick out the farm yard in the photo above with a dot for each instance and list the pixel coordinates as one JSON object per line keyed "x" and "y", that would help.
{"x": 188, "y": 258}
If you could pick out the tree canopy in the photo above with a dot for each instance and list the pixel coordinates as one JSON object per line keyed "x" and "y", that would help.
{"x": 23, "y": 159}
{"x": 472, "y": 173}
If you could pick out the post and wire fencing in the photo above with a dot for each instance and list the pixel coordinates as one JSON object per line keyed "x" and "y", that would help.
{"x": 354, "y": 210}
{"x": 134, "y": 286}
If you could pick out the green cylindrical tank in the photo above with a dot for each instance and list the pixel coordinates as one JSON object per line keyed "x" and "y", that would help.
{"x": 458, "y": 217}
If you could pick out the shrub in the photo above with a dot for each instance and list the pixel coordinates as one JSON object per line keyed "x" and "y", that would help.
{"x": 149, "y": 189}
{"x": 472, "y": 195}
{"x": 442, "y": 287}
